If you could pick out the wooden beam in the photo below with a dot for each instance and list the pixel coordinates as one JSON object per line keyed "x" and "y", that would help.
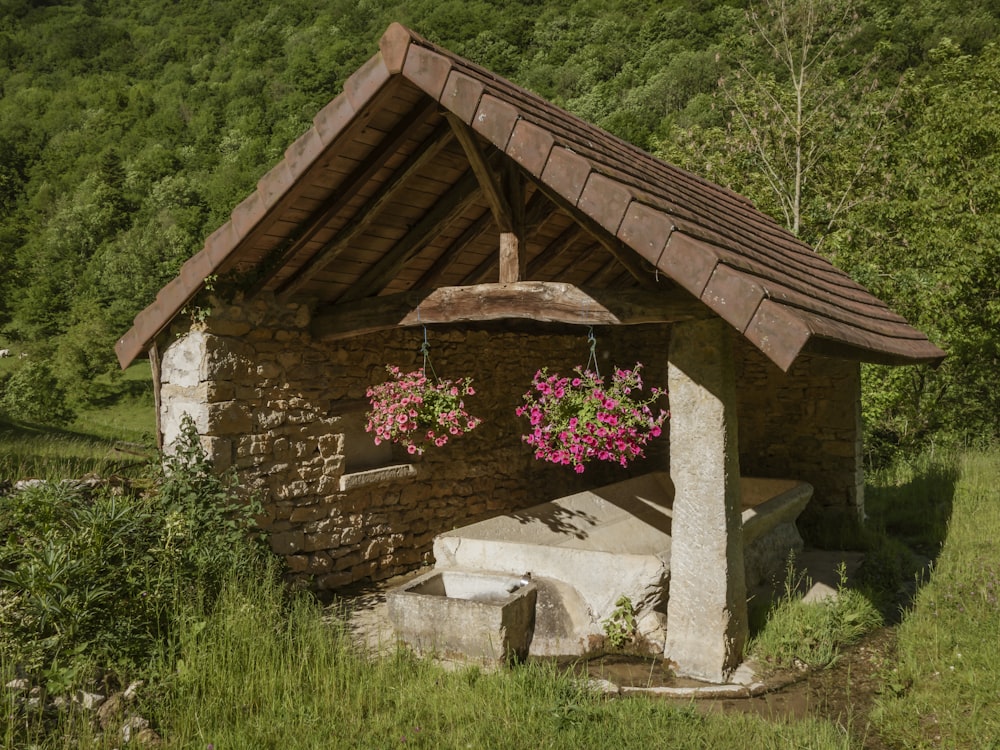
{"x": 548, "y": 302}
{"x": 641, "y": 270}
{"x": 539, "y": 209}
{"x": 445, "y": 210}
{"x": 513, "y": 253}
{"x": 366, "y": 214}
{"x": 493, "y": 189}
{"x": 345, "y": 192}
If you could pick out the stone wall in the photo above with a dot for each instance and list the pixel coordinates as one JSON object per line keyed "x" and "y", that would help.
{"x": 804, "y": 424}
{"x": 287, "y": 412}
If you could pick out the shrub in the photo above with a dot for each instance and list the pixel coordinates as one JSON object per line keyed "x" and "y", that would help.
{"x": 95, "y": 579}
{"x": 32, "y": 394}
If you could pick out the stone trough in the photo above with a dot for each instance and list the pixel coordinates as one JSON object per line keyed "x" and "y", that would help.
{"x": 586, "y": 550}
{"x": 461, "y": 615}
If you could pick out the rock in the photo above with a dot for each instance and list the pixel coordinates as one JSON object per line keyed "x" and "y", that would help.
{"x": 132, "y": 691}
{"x": 110, "y": 710}
{"x": 19, "y": 684}
{"x": 90, "y": 701}
{"x": 132, "y": 727}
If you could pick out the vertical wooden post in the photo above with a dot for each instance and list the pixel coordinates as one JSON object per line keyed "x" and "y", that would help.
{"x": 513, "y": 258}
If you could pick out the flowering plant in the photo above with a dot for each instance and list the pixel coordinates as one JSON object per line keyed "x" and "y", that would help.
{"x": 410, "y": 407}
{"x": 576, "y": 419}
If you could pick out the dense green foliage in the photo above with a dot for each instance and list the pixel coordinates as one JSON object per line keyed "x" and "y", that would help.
{"x": 96, "y": 578}
{"x": 129, "y": 130}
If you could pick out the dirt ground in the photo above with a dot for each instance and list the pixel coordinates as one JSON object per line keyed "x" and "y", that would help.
{"x": 844, "y": 693}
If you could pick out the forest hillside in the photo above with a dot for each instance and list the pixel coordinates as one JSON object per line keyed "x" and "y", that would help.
{"x": 130, "y": 128}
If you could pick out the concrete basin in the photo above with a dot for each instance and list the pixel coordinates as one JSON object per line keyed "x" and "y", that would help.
{"x": 461, "y": 615}
{"x": 587, "y": 549}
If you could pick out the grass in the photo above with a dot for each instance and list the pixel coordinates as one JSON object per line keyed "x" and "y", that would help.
{"x": 249, "y": 683}
{"x": 113, "y": 437}
{"x": 945, "y": 690}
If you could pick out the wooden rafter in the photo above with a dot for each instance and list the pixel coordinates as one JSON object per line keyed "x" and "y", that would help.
{"x": 333, "y": 205}
{"x": 642, "y": 271}
{"x": 553, "y": 250}
{"x": 603, "y": 275}
{"x": 445, "y": 210}
{"x": 550, "y": 302}
{"x": 438, "y": 268}
{"x": 492, "y": 187}
{"x": 367, "y": 213}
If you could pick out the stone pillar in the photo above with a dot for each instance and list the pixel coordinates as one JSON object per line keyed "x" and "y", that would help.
{"x": 707, "y": 609}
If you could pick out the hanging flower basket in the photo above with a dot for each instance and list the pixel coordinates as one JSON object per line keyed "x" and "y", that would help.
{"x": 578, "y": 419}
{"x": 414, "y": 410}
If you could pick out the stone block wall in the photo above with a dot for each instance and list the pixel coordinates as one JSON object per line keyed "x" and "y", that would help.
{"x": 287, "y": 412}
{"x": 804, "y": 424}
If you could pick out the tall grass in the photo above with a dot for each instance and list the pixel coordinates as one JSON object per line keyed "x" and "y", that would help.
{"x": 264, "y": 672}
{"x": 31, "y": 453}
{"x": 945, "y": 690}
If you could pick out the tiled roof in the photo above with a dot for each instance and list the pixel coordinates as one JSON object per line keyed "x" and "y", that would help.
{"x": 327, "y": 222}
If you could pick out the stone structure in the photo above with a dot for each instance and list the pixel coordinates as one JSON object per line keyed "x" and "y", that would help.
{"x": 431, "y": 191}
{"x": 286, "y": 412}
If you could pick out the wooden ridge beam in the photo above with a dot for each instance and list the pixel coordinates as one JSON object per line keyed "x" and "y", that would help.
{"x": 548, "y": 302}
{"x": 366, "y": 214}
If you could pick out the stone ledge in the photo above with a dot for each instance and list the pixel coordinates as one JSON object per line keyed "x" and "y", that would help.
{"x": 381, "y": 475}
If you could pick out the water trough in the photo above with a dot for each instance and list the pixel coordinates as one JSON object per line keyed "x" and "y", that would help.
{"x": 586, "y": 550}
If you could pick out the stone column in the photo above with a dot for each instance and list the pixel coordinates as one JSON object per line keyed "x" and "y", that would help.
{"x": 707, "y": 609}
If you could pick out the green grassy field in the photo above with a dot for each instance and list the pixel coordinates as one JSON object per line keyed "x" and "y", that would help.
{"x": 113, "y": 437}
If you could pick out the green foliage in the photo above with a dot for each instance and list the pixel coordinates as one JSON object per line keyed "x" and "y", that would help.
{"x": 32, "y": 394}
{"x": 620, "y": 626}
{"x": 800, "y": 634}
{"x": 206, "y": 521}
{"x": 95, "y": 579}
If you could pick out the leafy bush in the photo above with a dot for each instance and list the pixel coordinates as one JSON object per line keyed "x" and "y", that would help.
{"x": 32, "y": 394}
{"x": 95, "y": 579}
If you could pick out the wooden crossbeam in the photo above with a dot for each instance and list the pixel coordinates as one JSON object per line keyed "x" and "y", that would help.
{"x": 548, "y": 302}
{"x": 367, "y": 213}
{"x": 445, "y": 210}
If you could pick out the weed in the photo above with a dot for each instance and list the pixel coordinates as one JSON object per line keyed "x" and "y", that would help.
{"x": 804, "y": 634}
{"x": 620, "y": 626}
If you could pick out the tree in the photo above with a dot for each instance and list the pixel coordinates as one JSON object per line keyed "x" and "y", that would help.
{"x": 807, "y": 120}
{"x": 930, "y": 242}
